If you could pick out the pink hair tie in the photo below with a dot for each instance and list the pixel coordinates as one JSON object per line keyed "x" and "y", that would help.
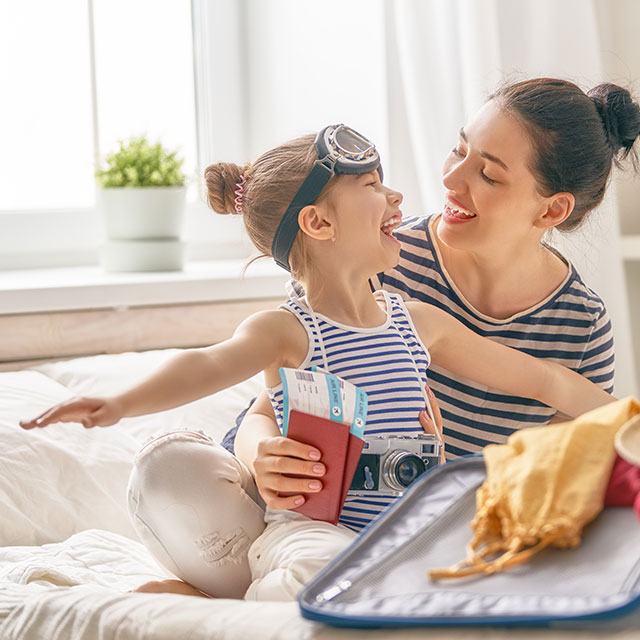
{"x": 239, "y": 194}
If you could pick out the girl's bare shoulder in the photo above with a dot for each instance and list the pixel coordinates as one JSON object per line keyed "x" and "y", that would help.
{"x": 273, "y": 318}
{"x": 282, "y": 329}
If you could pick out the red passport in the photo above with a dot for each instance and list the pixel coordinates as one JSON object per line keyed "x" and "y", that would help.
{"x": 340, "y": 451}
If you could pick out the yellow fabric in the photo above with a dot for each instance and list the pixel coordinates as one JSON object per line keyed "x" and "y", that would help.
{"x": 542, "y": 487}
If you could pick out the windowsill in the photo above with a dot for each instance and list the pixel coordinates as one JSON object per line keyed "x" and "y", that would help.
{"x": 89, "y": 287}
{"x": 80, "y": 288}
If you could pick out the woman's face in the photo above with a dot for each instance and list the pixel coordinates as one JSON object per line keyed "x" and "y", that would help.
{"x": 491, "y": 202}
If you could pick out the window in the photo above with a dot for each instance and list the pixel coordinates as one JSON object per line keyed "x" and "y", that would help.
{"x": 82, "y": 75}
{"x": 221, "y": 79}
{"x": 144, "y": 73}
{"x": 46, "y": 110}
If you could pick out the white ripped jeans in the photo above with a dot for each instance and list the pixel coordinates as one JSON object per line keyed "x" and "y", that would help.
{"x": 196, "y": 508}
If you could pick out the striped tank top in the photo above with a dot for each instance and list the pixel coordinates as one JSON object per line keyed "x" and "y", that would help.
{"x": 388, "y": 362}
{"x": 570, "y": 327}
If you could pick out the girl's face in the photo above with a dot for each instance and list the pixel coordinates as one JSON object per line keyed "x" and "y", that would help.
{"x": 491, "y": 198}
{"x": 367, "y": 212}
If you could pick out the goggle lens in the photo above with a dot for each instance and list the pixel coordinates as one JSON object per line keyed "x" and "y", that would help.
{"x": 351, "y": 143}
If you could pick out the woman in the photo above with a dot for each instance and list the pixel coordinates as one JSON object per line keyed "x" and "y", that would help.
{"x": 537, "y": 156}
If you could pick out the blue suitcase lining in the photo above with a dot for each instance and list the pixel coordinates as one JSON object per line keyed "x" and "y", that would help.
{"x": 381, "y": 578}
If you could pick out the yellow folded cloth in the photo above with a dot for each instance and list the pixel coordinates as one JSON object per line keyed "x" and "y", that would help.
{"x": 542, "y": 487}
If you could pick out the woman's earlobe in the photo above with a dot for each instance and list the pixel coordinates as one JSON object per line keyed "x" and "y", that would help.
{"x": 558, "y": 210}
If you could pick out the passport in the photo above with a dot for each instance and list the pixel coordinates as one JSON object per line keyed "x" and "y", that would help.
{"x": 340, "y": 451}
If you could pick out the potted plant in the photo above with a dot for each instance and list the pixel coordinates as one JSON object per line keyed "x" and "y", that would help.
{"x": 141, "y": 195}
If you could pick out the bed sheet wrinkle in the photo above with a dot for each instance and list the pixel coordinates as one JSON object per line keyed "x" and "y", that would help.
{"x": 54, "y": 482}
{"x": 24, "y": 394}
{"x": 94, "y": 557}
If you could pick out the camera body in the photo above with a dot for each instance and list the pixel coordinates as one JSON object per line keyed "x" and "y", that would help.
{"x": 389, "y": 464}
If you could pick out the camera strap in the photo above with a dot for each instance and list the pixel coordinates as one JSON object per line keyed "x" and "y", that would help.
{"x": 323, "y": 351}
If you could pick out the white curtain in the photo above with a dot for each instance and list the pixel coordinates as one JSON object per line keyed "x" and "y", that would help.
{"x": 444, "y": 57}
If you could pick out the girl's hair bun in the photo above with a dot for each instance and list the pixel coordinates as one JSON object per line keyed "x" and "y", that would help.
{"x": 620, "y": 116}
{"x": 222, "y": 181}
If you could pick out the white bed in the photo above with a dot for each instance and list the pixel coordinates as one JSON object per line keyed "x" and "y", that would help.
{"x": 69, "y": 554}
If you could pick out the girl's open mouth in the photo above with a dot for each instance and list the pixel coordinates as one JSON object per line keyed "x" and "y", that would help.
{"x": 390, "y": 225}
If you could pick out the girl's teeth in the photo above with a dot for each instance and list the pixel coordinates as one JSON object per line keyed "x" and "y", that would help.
{"x": 389, "y": 225}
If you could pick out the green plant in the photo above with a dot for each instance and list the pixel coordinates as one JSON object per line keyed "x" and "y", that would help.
{"x": 138, "y": 163}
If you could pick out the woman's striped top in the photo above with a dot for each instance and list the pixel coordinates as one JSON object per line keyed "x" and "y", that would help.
{"x": 570, "y": 327}
{"x": 388, "y": 362}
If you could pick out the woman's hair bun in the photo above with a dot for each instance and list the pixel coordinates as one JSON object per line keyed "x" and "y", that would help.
{"x": 620, "y": 116}
{"x": 222, "y": 180}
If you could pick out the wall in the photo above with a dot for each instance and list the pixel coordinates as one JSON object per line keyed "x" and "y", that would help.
{"x": 620, "y": 45}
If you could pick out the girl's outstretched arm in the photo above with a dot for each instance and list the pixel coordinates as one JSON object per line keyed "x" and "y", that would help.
{"x": 260, "y": 342}
{"x": 458, "y": 349}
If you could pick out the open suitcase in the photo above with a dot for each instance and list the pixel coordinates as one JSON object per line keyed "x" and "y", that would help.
{"x": 381, "y": 578}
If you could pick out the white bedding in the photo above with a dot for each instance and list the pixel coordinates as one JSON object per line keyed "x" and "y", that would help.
{"x": 69, "y": 555}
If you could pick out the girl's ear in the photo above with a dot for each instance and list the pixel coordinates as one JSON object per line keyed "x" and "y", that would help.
{"x": 315, "y": 221}
{"x": 559, "y": 208}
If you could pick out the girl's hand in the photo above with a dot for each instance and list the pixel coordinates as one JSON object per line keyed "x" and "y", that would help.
{"x": 427, "y": 423}
{"x": 90, "y": 412}
{"x": 277, "y": 459}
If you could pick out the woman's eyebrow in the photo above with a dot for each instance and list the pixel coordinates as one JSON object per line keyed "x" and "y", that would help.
{"x": 484, "y": 154}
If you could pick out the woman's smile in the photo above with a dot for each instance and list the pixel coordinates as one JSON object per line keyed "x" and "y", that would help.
{"x": 455, "y": 213}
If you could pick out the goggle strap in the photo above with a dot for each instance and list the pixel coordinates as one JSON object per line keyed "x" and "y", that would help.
{"x": 288, "y": 228}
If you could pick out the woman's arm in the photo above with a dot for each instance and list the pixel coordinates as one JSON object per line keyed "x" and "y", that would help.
{"x": 260, "y": 342}
{"x": 460, "y": 350}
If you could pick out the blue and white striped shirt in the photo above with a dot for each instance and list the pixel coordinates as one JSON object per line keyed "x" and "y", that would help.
{"x": 570, "y": 327}
{"x": 388, "y": 362}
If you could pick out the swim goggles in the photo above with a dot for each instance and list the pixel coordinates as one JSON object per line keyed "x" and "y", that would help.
{"x": 341, "y": 150}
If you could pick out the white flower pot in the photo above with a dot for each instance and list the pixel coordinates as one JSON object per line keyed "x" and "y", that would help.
{"x": 143, "y": 227}
{"x": 132, "y": 213}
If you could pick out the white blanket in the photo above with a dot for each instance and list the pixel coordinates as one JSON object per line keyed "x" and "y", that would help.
{"x": 68, "y": 554}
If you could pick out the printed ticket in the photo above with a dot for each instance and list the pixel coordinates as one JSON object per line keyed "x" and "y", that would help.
{"x": 324, "y": 395}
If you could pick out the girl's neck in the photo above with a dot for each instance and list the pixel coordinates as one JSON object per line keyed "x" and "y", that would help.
{"x": 349, "y": 303}
{"x": 503, "y": 283}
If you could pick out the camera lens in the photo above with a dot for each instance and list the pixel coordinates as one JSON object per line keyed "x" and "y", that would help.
{"x": 409, "y": 469}
{"x": 401, "y": 468}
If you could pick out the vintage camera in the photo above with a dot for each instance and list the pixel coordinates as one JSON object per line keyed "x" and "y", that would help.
{"x": 389, "y": 464}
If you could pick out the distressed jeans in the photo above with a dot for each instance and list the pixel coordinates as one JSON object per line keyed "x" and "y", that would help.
{"x": 196, "y": 508}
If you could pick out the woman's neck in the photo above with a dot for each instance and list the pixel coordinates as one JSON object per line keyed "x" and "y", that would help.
{"x": 503, "y": 282}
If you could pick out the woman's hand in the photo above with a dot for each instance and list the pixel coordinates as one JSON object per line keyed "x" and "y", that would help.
{"x": 90, "y": 412}
{"x": 429, "y": 426}
{"x": 277, "y": 459}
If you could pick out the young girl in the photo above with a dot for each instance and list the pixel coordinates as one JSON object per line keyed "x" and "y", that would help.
{"x": 484, "y": 260}
{"x": 320, "y": 208}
